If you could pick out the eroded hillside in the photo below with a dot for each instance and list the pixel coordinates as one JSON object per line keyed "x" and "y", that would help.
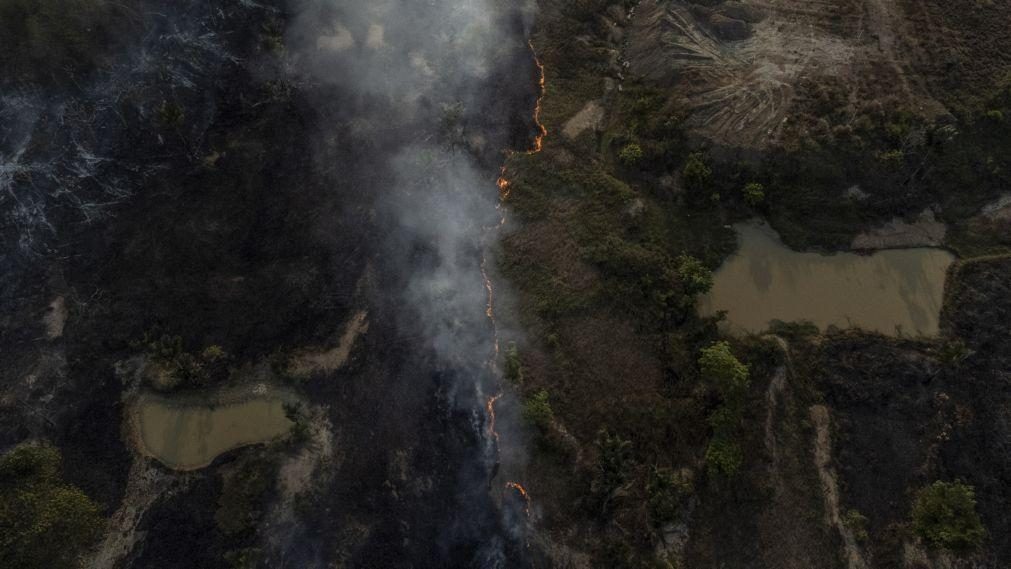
{"x": 760, "y": 74}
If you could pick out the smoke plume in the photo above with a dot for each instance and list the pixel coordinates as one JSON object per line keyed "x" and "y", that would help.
{"x": 429, "y": 94}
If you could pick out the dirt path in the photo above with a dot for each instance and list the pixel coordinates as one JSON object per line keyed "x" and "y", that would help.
{"x": 819, "y": 415}
{"x": 772, "y": 396}
{"x": 145, "y": 485}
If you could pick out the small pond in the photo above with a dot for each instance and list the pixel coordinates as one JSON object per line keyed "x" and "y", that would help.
{"x": 191, "y": 435}
{"x": 891, "y": 292}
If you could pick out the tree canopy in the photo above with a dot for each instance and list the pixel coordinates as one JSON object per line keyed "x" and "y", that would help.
{"x": 723, "y": 371}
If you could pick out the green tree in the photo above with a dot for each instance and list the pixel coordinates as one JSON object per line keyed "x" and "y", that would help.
{"x": 45, "y": 523}
{"x": 723, "y": 371}
{"x": 754, "y": 194}
{"x": 537, "y": 410}
{"x": 944, "y": 515}
{"x": 729, "y": 377}
{"x": 695, "y": 277}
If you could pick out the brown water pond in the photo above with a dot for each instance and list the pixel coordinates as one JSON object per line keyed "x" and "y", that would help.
{"x": 188, "y": 435}
{"x": 894, "y": 291}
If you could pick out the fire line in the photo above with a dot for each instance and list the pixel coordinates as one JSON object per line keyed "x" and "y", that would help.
{"x": 503, "y": 184}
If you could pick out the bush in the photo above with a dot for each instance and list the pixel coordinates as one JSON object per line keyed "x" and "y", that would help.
{"x": 724, "y": 457}
{"x": 631, "y": 155}
{"x": 613, "y": 456}
{"x": 953, "y": 353}
{"x": 45, "y": 523}
{"x": 537, "y": 411}
{"x": 944, "y": 515}
{"x": 183, "y": 369}
{"x": 665, "y": 490}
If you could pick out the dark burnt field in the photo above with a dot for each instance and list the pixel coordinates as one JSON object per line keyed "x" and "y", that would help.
{"x": 241, "y": 208}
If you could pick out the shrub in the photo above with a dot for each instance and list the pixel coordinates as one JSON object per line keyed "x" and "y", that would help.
{"x": 300, "y": 432}
{"x": 953, "y": 353}
{"x": 537, "y": 410}
{"x": 754, "y": 194}
{"x": 665, "y": 490}
{"x": 631, "y": 154}
{"x": 613, "y": 455}
{"x": 696, "y": 174}
{"x": 170, "y": 115}
{"x": 240, "y": 505}
{"x": 513, "y": 366}
{"x": 893, "y": 157}
{"x": 45, "y": 523}
{"x": 995, "y": 115}
{"x": 944, "y": 515}
{"x": 856, "y": 522}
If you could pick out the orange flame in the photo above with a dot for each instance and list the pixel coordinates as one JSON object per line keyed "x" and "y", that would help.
{"x": 503, "y": 186}
{"x": 519, "y": 489}
{"x": 490, "y": 407}
{"x": 541, "y": 83}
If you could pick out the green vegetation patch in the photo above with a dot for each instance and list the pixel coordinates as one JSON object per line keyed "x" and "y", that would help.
{"x": 45, "y": 523}
{"x": 944, "y": 515}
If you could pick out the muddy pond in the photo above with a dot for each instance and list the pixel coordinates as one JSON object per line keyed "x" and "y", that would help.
{"x": 189, "y": 434}
{"x": 893, "y": 292}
